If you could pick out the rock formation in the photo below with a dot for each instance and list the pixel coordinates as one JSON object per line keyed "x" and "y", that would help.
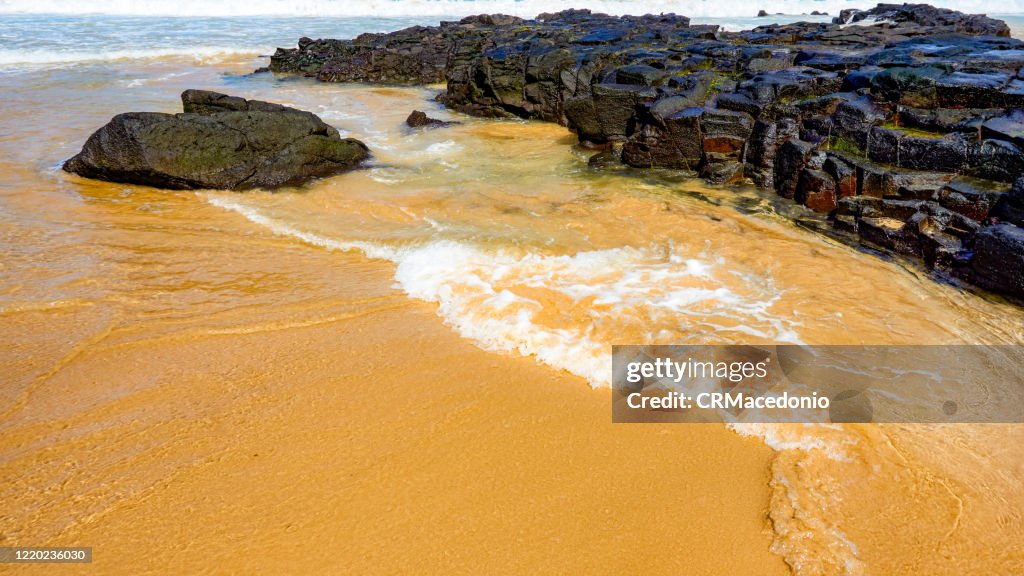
{"x": 219, "y": 141}
{"x": 903, "y": 123}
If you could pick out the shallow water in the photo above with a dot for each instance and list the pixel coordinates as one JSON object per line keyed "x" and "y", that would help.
{"x": 523, "y": 250}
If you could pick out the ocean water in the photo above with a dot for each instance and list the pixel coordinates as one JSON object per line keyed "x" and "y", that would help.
{"x": 502, "y": 227}
{"x": 449, "y": 8}
{"x": 52, "y": 32}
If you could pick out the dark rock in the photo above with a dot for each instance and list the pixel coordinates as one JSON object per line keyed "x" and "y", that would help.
{"x": 219, "y": 142}
{"x": 963, "y": 89}
{"x": 674, "y": 142}
{"x": 725, "y": 131}
{"x": 843, "y": 174}
{"x": 816, "y": 190}
{"x": 1008, "y": 127}
{"x": 924, "y": 15}
{"x": 492, "y": 20}
{"x": 419, "y": 119}
{"x": 855, "y": 117}
{"x": 790, "y": 161}
{"x": 997, "y": 262}
{"x": 995, "y": 160}
{"x": 761, "y": 14}
{"x": 894, "y": 147}
{"x": 830, "y": 61}
{"x": 739, "y": 103}
{"x": 794, "y": 83}
{"x": 609, "y": 113}
{"x": 1010, "y": 207}
{"x": 944, "y": 120}
{"x": 891, "y": 233}
{"x": 875, "y": 117}
{"x": 974, "y": 199}
{"x": 910, "y": 86}
{"x": 639, "y": 75}
{"x": 605, "y": 159}
{"x": 720, "y": 168}
{"x": 765, "y": 139}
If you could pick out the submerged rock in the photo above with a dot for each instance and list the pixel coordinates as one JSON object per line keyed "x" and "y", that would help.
{"x": 419, "y": 119}
{"x": 220, "y": 141}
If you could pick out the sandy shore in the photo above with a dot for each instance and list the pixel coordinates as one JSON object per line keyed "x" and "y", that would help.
{"x": 341, "y": 428}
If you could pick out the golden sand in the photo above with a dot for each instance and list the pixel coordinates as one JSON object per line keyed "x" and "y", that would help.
{"x": 206, "y": 382}
{"x": 344, "y": 429}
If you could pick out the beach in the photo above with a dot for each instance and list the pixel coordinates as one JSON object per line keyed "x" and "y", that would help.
{"x": 404, "y": 368}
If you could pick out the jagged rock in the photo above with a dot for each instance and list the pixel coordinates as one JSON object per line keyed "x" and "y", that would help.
{"x": 829, "y": 61}
{"x": 765, "y": 139}
{"x": 219, "y": 142}
{"x": 875, "y": 117}
{"x": 720, "y": 168}
{"x": 944, "y": 120}
{"x": 972, "y": 198}
{"x": 817, "y": 190}
{"x": 930, "y": 16}
{"x": 1010, "y": 207}
{"x": 997, "y": 262}
{"x": 639, "y": 75}
{"x": 674, "y": 142}
{"x": 843, "y": 174}
{"x": 895, "y": 147}
{"x": 854, "y": 118}
{"x": 1008, "y": 126}
{"x": 605, "y": 159}
{"x": 419, "y": 119}
{"x": 725, "y": 131}
{"x": 610, "y": 113}
{"x": 798, "y": 82}
{"x": 891, "y": 233}
{"x": 995, "y": 160}
{"x": 790, "y": 160}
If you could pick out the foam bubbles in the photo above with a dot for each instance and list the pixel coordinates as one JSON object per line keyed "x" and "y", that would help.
{"x": 453, "y": 8}
{"x": 566, "y": 310}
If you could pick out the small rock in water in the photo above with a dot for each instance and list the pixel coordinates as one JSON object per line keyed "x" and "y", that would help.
{"x": 420, "y": 119}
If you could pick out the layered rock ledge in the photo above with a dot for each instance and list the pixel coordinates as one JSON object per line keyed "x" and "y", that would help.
{"x": 903, "y": 123}
{"x": 219, "y": 141}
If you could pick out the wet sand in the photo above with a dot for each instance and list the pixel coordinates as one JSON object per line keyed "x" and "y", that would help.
{"x": 199, "y": 389}
{"x": 353, "y": 434}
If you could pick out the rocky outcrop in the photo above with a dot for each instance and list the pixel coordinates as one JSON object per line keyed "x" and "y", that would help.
{"x": 219, "y": 141}
{"x": 903, "y": 123}
{"x": 935, "y": 20}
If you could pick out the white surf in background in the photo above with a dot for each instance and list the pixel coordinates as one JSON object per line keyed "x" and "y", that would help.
{"x": 398, "y": 8}
{"x": 47, "y": 33}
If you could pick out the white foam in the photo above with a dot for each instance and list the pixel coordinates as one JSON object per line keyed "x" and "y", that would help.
{"x": 405, "y": 8}
{"x": 442, "y": 148}
{"x": 480, "y": 293}
{"x": 58, "y": 57}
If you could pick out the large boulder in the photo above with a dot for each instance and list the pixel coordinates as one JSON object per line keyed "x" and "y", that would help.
{"x": 219, "y": 141}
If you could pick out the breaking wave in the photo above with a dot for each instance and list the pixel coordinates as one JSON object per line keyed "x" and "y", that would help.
{"x": 27, "y": 58}
{"x": 565, "y": 310}
{"x": 398, "y": 8}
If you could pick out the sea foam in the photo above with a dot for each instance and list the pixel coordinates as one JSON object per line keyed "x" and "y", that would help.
{"x": 451, "y": 8}
{"x": 566, "y": 310}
